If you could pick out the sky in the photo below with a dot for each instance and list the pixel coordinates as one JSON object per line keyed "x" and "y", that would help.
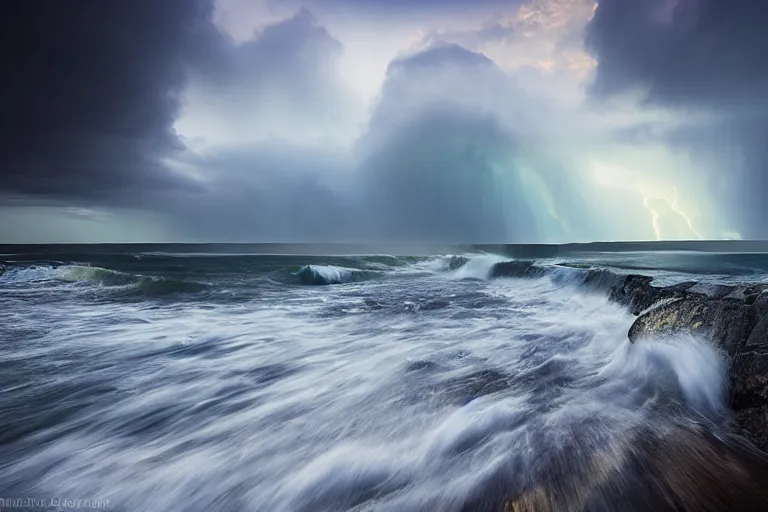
{"x": 490, "y": 121}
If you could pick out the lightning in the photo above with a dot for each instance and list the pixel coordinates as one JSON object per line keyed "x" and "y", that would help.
{"x": 675, "y": 208}
{"x": 657, "y": 198}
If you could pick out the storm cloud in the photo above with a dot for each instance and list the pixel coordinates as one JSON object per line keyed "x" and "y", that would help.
{"x": 697, "y": 57}
{"x": 710, "y": 53}
{"x": 136, "y": 110}
{"x": 434, "y": 164}
{"x": 449, "y": 154}
{"x": 91, "y": 90}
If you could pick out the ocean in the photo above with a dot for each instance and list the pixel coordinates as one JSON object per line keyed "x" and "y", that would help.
{"x": 311, "y": 378}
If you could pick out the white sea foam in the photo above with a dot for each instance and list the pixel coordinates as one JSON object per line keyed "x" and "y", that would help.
{"x": 282, "y": 403}
{"x": 327, "y": 274}
{"x": 29, "y": 274}
{"x": 478, "y": 267}
{"x": 67, "y": 273}
{"x": 697, "y": 368}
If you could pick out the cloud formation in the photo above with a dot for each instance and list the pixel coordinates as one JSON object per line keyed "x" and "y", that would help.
{"x": 446, "y": 156}
{"x": 432, "y": 165}
{"x": 283, "y": 83}
{"x": 705, "y": 57}
{"x": 478, "y": 133}
{"x": 90, "y": 93}
{"x": 434, "y": 156}
{"x": 711, "y": 53}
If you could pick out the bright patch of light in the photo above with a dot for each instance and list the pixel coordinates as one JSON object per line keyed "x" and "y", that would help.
{"x": 368, "y": 51}
{"x": 241, "y": 18}
{"x": 658, "y": 198}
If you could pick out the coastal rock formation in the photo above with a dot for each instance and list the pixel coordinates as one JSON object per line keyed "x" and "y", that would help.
{"x": 734, "y": 318}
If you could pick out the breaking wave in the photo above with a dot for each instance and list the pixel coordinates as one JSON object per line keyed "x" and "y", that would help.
{"x": 490, "y": 266}
{"x": 103, "y": 276}
{"x": 106, "y": 280}
{"x": 319, "y": 275}
{"x": 458, "y": 383}
{"x": 481, "y": 267}
{"x": 576, "y": 429}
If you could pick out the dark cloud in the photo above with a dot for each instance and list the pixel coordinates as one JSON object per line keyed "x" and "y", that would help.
{"x": 706, "y": 56}
{"x": 454, "y": 150}
{"x": 90, "y": 93}
{"x": 693, "y": 52}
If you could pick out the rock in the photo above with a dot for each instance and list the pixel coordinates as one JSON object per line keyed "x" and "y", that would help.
{"x": 734, "y": 318}
{"x": 724, "y": 320}
{"x": 715, "y": 291}
{"x": 749, "y": 380}
{"x": 601, "y": 279}
{"x": 753, "y": 423}
{"x": 746, "y": 294}
{"x": 636, "y": 293}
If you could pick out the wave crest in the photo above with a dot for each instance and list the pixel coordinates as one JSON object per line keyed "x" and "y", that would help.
{"x": 104, "y": 276}
{"x": 107, "y": 280}
{"x": 321, "y": 275}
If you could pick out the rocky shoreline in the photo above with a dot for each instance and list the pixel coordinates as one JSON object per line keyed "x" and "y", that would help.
{"x": 686, "y": 467}
{"x": 733, "y": 318}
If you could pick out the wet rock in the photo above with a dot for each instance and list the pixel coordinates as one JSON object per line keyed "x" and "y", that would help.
{"x": 749, "y": 380}
{"x": 734, "y": 318}
{"x": 637, "y": 293}
{"x": 715, "y": 291}
{"x": 753, "y": 422}
{"x": 746, "y": 294}
{"x": 724, "y": 320}
{"x": 749, "y": 377}
{"x": 601, "y": 279}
